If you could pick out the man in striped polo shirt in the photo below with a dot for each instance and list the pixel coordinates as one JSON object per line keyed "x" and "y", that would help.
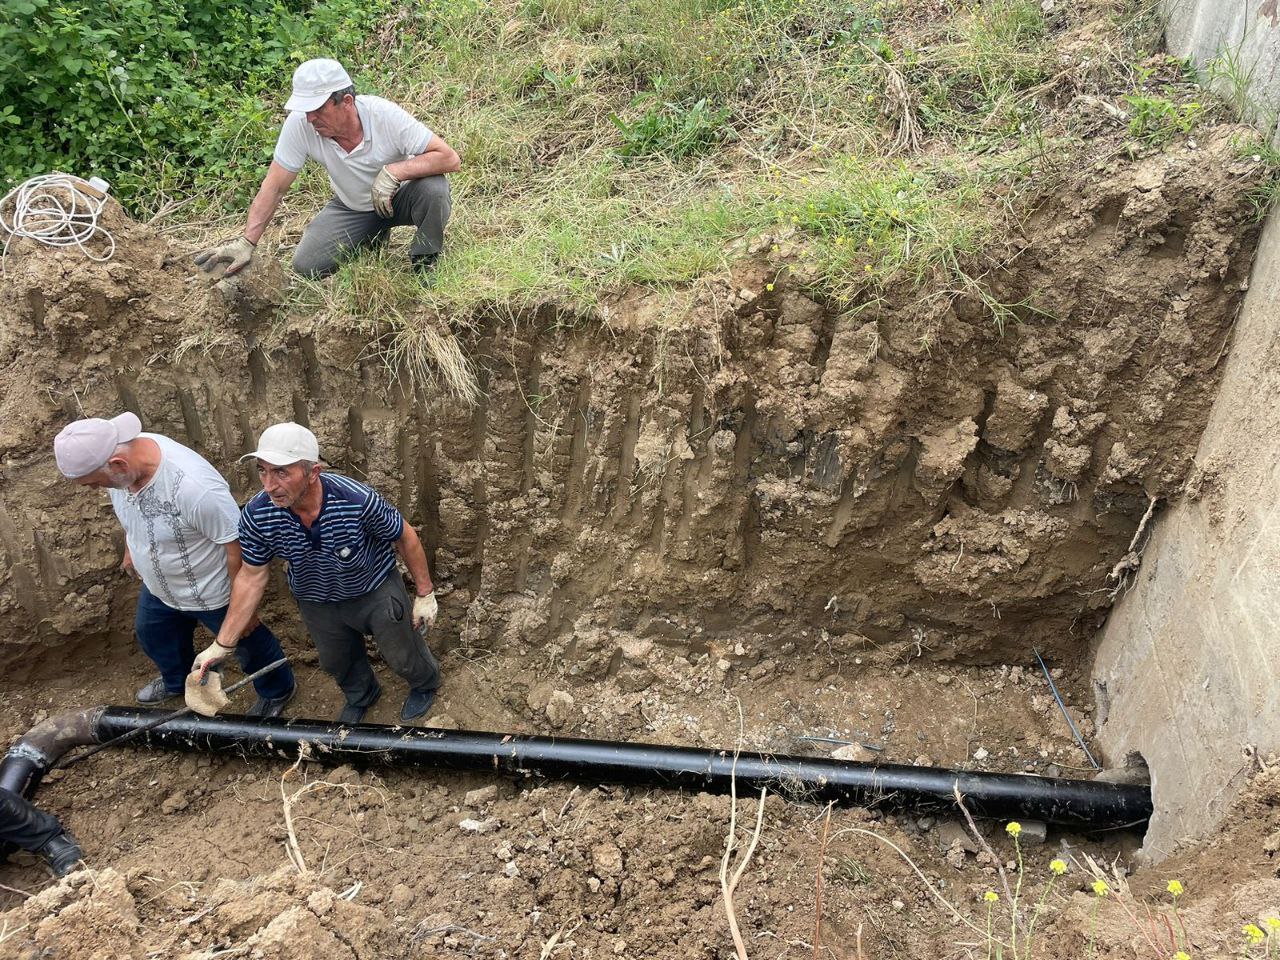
{"x": 340, "y": 539}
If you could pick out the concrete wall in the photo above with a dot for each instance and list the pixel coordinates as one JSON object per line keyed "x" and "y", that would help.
{"x": 1242, "y": 36}
{"x": 1187, "y": 666}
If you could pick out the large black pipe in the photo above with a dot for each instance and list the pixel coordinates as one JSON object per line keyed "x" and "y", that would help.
{"x": 887, "y": 786}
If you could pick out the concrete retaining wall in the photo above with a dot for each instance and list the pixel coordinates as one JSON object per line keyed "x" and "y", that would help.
{"x": 1241, "y": 39}
{"x": 1187, "y": 666}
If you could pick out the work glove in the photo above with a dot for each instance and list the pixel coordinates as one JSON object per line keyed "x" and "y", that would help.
{"x": 236, "y": 255}
{"x": 210, "y": 657}
{"x": 425, "y": 610}
{"x": 384, "y": 190}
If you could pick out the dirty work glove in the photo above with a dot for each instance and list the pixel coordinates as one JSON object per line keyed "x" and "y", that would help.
{"x": 384, "y": 190}
{"x": 425, "y": 610}
{"x": 210, "y": 657}
{"x": 236, "y": 255}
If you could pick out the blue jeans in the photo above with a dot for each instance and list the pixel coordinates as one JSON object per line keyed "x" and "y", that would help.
{"x": 165, "y": 635}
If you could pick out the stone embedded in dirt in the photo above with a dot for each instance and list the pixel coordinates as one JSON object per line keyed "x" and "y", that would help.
{"x": 481, "y": 796}
{"x": 952, "y": 833}
{"x": 487, "y": 825}
{"x": 511, "y": 870}
{"x": 401, "y": 896}
{"x": 981, "y": 753}
{"x": 559, "y": 709}
{"x": 174, "y": 803}
{"x": 854, "y": 751}
{"x": 1034, "y": 833}
{"x": 607, "y": 859}
{"x": 442, "y": 722}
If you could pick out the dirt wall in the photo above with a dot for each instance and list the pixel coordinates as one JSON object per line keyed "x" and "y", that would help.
{"x": 764, "y": 475}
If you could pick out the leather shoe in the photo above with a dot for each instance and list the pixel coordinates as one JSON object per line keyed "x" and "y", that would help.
{"x": 352, "y": 714}
{"x": 271, "y": 706}
{"x": 156, "y": 692}
{"x": 62, "y": 853}
{"x": 417, "y": 703}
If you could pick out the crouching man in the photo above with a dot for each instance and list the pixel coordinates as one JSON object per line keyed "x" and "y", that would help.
{"x": 340, "y": 539}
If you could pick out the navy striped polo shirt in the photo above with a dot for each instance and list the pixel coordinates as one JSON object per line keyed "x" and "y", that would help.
{"x": 346, "y": 553}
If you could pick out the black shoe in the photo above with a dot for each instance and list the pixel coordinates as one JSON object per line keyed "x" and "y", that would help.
{"x": 424, "y": 263}
{"x": 352, "y": 714}
{"x": 271, "y": 706}
{"x": 62, "y": 853}
{"x": 417, "y": 703}
{"x": 156, "y": 692}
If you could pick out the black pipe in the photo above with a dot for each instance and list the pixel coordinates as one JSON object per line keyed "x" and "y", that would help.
{"x": 43, "y": 745}
{"x": 885, "y": 786}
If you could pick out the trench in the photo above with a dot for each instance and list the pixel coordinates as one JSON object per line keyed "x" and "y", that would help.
{"x": 778, "y": 527}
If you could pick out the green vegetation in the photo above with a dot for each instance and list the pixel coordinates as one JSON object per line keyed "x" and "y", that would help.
{"x": 604, "y": 142}
{"x": 160, "y": 96}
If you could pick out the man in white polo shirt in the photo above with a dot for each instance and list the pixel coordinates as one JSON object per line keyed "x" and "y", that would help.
{"x": 181, "y": 539}
{"x": 385, "y": 167}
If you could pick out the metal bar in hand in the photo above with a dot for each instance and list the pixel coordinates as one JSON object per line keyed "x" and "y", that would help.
{"x": 161, "y": 721}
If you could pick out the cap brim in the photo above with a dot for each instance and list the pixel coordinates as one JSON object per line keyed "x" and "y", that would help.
{"x": 305, "y": 104}
{"x": 273, "y": 457}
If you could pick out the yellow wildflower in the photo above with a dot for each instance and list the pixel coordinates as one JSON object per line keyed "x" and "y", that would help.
{"x": 1252, "y": 932}
{"x": 1273, "y": 923}
{"x": 1013, "y": 829}
{"x": 1100, "y": 888}
{"x": 869, "y": 268}
{"x": 1058, "y": 867}
{"x": 991, "y": 896}
{"x": 1182, "y": 955}
{"x": 769, "y": 287}
{"x": 1175, "y": 887}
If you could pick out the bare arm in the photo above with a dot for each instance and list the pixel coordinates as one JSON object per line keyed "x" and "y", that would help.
{"x": 415, "y": 558}
{"x": 234, "y": 559}
{"x": 439, "y": 157}
{"x": 274, "y": 186}
{"x": 247, "y": 588}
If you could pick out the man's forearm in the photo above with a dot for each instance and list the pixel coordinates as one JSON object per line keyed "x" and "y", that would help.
{"x": 415, "y": 558}
{"x": 427, "y": 164}
{"x": 246, "y": 593}
{"x": 261, "y": 211}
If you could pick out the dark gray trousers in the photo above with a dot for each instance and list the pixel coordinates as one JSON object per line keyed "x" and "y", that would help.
{"x": 24, "y": 825}
{"x": 338, "y": 231}
{"x": 386, "y": 614}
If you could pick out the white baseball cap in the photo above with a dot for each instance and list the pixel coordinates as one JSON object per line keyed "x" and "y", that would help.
{"x": 313, "y": 81}
{"x": 86, "y": 445}
{"x": 284, "y": 443}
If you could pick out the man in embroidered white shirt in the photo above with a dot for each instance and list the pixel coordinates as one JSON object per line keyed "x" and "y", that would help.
{"x": 385, "y": 167}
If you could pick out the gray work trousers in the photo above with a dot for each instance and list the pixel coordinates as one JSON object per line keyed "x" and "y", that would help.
{"x": 386, "y": 614}
{"x": 338, "y": 231}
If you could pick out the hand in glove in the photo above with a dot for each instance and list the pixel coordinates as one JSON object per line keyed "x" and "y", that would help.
{"x": 425, "y": 610}
{"x": 384, "y": 190}
{"x": 210, "y": 657}
{"x": 236, "y": 255}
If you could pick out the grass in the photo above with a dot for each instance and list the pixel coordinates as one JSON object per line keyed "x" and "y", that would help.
{"x": 613, "y": 144}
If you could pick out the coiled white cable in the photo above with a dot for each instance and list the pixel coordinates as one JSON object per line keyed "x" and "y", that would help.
{"x": 58, "y": 210}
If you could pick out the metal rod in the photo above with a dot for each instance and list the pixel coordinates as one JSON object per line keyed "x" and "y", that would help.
{"x": 165, "y": 718}
{"x": 883, "y": 786}
{"x": 1053, "y": 688}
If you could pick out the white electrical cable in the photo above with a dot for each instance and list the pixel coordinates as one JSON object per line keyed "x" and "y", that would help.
{"x": 58, "y": 210}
